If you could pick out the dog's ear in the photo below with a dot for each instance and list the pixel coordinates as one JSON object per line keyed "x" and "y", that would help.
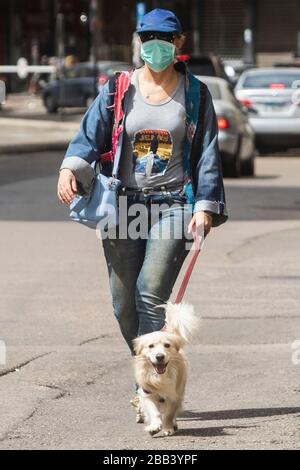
{"x": 178, "y": 342}
{"x": 137, "y": 346}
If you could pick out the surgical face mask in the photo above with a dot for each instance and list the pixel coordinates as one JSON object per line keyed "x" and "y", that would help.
{"x": 157, "y": 54}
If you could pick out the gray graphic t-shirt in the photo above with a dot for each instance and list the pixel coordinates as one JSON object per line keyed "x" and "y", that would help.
{"x": 153, "y": 138}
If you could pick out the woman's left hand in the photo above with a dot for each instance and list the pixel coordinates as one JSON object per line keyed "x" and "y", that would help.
{"x": 202, "y": 221}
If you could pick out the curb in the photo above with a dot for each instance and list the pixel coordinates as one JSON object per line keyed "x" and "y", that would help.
{"x": 41, "y": 117}
{"x": 40, "y": 124}
{"x": 59, "y": 140}
{"x": 28, "y": 148}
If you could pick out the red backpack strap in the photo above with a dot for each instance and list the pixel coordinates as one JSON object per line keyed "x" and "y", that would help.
{"x": 119, "y": 84}
{"x": 122, "y": 85}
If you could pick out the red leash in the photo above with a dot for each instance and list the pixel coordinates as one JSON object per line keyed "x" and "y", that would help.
{"x": 196, "y": 248}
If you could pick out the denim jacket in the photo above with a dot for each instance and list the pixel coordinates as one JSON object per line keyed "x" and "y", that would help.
{"x": 203, "y": 179}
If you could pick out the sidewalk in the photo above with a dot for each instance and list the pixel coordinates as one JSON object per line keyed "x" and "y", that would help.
{"x": 29, "y": 135}
{"x": 25, "y": 125}
{"x": 26, "y": 106}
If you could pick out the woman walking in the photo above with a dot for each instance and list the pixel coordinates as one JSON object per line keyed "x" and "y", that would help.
{"x": 169, "y": 159}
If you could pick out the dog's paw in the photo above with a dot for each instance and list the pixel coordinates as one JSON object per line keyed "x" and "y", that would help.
{"x": 169, "y": 431}
{"x": 154, "y": 427}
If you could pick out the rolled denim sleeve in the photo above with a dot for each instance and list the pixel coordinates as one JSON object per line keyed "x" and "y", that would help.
{"x": 210, "y": 193}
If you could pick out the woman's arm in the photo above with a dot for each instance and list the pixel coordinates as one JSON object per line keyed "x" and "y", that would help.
{"x": 93, "y": 137}
{"x": 210, "y": 194}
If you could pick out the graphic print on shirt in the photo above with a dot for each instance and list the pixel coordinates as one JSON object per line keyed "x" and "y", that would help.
{"x": 152, "y": 150}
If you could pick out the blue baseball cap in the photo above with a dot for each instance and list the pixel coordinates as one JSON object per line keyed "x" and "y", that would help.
{"x": 160, "y": 20}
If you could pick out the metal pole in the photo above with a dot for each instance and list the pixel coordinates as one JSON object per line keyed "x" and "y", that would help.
{"x": 195, "y": 26}
{"x": 140, "y": 10}
{"x": 60, "y": 53}
{"x": 249, "y": 55}
{"x": 93, "y": 20}
{"x": 60, "y": 35}
{"x": 92, "y": 25}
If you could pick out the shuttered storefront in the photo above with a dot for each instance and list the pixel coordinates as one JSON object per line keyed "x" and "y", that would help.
{"x": 222, "y": 27}
{"x": 276, "y": 25}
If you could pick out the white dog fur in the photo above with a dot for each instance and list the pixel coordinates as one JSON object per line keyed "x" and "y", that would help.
{"x": 161, "y": 369}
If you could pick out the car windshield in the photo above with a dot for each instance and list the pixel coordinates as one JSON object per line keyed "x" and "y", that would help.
{"x": 201, "y": 67}
{"x": 267, "y": 80}
{"x": 214, "y": 90}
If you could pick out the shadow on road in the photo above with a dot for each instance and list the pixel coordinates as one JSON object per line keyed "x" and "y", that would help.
{"x": 227, "y": 414}
{"x": 261, "y": 177}
{"x": 28, "y": 192}
{"x": 209, "y": 432}
{"x": 236, "y": 414}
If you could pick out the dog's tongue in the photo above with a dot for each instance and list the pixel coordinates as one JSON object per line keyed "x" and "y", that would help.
{"x": 160, "y": 368}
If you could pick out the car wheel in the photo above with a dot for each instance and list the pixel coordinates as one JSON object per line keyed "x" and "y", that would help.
{"x": 234, "y": 163}
{"x": 247, "y": 167}
{"x": 50, "y": 104}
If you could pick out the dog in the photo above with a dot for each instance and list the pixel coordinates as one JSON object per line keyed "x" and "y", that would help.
{"x": 161, "y": 369}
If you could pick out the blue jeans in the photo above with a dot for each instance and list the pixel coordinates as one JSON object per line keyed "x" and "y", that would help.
{"x": 143, "y": 271}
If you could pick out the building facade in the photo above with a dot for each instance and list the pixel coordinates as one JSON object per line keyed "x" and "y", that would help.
{"x": 257, "y": 31}
{"x": 254, "y": 31}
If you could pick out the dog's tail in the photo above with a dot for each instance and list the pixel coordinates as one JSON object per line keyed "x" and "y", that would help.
{"x": 181, "y": 319}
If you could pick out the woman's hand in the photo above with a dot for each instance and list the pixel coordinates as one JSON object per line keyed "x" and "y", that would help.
{"x": 202, "y": 222}
{"x": 66, "y": 186}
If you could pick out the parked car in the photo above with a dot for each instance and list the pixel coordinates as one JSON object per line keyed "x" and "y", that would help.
{"x": 273, "y": 97}
{"x": 208, "y": 65}
{"x": 79, "y": 85}
{"x": 236, "y": 137}
{"x": 234, "y": 68}
{"x": 294, "y": 63}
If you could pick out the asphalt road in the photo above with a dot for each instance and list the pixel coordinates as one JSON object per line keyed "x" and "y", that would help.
{"x": 68, "y": 377}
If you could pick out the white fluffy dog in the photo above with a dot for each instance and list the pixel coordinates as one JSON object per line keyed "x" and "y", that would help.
{"x": 161, "y": 369}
